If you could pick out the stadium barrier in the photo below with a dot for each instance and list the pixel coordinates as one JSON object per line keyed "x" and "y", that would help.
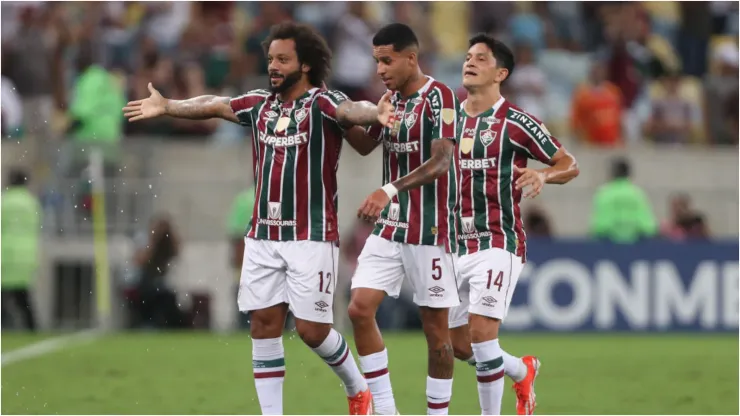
{"x": 647, "y": 287}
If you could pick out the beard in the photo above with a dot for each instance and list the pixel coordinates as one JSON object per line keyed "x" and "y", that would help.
{"x": 288, "y": 81}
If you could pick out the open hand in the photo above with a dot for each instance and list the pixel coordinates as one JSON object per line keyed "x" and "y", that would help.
{"x": 151, "y": 107}
{"x": 373, "y": 206}
{"x": 532, "y": 178}
{"x": 386, "y": 111}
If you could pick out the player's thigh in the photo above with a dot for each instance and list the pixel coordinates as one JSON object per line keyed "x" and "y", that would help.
{"x": 263, "y": 278}
{"x": 492, "y": 275}
{"x": 311, "y": 279}
{"x": 458, "y": 315}
{"x": 432, "y": 273}
{"x": 379, "y": 266}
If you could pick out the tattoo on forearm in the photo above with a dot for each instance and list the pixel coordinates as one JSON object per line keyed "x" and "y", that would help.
{"x": 197, "y": 108}
{"x": 430, "y": 170}
{"x": 441, "y": 362}
{"x": 361, "y": 113}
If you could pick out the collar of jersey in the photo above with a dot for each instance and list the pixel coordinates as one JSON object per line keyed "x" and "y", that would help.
{"x": 490, "y": 112}
{"x": 308, "y": 93}
{"x": 397, "y": 95}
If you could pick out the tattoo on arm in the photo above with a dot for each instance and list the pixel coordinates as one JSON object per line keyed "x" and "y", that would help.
{"x": 360, "y": 113}
{"x": 201, "y": 108}
{"x": 441, "y": 362}
{"x": 430, "y": 170}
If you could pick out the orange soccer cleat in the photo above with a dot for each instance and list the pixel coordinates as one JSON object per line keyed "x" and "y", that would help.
{"x": 525, "y": 397}
{"x": 361, "y": 403}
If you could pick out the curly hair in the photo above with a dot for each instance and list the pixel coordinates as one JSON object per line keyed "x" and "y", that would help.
{"x": 310, "y": 47}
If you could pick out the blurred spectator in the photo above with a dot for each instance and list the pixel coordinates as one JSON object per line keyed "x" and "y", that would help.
{"x": 188, "y": 81}
{"x": 596, "y": 112}
{"x": 166, "y": 21}
{"x": 239, "y": 219}
{"x": 155, "y": 252}
{"x": 684, "y": 222}
{"x": 354, "y": 68}
{"x": 11, "y": 111}
{"x": 537, "y": 223}
{"x": 528, "y": 83}
{"x": 21, "y": 227}
{"x": 721, "y": 89}
{"x": 271, "y": 13}
{"x": 526, "y": 26}
{"x": 416, "y": 17}
{"x": 675, "y": 118}
{"x": 621, "y": 211}
{"x": 693, "y": 36}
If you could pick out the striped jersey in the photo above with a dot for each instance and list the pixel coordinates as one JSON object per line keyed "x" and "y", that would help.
{"x": 295, "y": 154}
{"x": 422, "y": 215}
{"x": 489, "y": 146}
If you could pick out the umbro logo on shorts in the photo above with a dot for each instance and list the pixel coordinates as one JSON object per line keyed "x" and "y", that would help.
{"x": 489, "y": 301}
{"x": 436, "y": 291}
{"x": 321, "y": 306}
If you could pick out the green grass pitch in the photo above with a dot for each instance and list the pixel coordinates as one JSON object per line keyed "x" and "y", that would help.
{"x": 203, "y": 373}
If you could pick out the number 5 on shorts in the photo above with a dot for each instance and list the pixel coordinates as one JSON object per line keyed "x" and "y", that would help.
{"x": 498, "y": 282}
{"x": 324, "y": 286}
{"x": 436, "y": 269}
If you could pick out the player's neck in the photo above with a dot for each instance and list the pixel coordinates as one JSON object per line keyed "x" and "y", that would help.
{"x": 294, "y": 92}
{"x": 481, "y": 99}
{"x": 415, "y": 83}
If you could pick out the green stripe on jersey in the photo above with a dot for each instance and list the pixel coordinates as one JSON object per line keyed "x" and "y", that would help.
{"x": 315, "y": 158}
{"x": 506, "y": 197}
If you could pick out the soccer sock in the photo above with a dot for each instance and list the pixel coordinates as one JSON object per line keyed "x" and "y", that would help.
{"x": 439, "y": 392}
{"x": 268, "y": 364}
{"x": 489, "y": 368}
{"x": 335, "y": 352}
{"x": 514, "y": 367}
{"x": 375, "y": 367}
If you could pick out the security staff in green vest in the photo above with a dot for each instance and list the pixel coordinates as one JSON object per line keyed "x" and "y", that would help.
{"x": 21, "y": 226}
{"x": 621, "y": 211}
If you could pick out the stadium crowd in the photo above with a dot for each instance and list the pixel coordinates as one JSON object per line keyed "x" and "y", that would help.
{"x": 660, "y": 71}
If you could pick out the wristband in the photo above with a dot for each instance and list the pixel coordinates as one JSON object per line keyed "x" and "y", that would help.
{"x": 390, "y": 190}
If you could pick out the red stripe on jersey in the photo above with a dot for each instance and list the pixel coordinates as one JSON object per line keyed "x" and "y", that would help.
{"x": 448, "y": 96}
{"x": 521, "y": 162}
{"x": 276, "y": 185}
{"x": 466, "y": 181}
{"x": 413, "y": 213}
{"x": 332, "y": 148}
{"x": 259, "y": 169}
{"x": 302, "y": 187}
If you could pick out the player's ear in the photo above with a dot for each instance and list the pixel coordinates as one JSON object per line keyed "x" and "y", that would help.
{"x": 501, "y": 74}
{"x": 305, "y": 68}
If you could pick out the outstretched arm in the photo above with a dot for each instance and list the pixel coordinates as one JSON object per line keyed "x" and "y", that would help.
{"x": 198, "y": 108}
{"x": 428, "y": 172}
{"x": 365, "y": 113}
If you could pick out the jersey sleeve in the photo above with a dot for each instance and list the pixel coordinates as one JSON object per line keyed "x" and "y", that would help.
{"x": 530, "y": 136}
{"x": 375, "y": 131}
{"x": 243, "y": 105}
{"x": 444, "y": 107}
{"x": 328, "y": 102}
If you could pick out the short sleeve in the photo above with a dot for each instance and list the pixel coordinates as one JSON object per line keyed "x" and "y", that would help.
{"x": 530, "y": 136}
{"x": 328, "y": 102}
{"x": 243, "y": 105}
{"x": 444, "y": 105}
{"x": 375, "y": 131}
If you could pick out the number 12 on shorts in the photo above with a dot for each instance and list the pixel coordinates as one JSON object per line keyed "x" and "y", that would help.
{"x": 324, "y": 283}
{"x": 498, "y": 282}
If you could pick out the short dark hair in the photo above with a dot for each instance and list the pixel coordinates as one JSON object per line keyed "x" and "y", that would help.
{"x": 17, "y": 177}
{"x": 310, "y": 47}
{"x": 620, "y": 168}
{"x": 396, "y": 34}
{"x": 502, "y": 53}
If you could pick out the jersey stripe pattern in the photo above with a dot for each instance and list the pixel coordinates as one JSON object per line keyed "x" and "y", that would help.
{"x": 424, "y": 215}
{"x": 295, "y": 154}
{"x": 489, "y": 146}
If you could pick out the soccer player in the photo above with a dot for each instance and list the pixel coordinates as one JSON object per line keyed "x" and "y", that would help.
{"x": 410, "y": 237}
{"x": 495, "y": 139}
{"x": 291, "y": 248}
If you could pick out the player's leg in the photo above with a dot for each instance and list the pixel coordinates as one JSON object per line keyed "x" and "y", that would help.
{"x": 492, "y": 275}
{"x": 458, "y": 323}
{"x": 514, "y": 367}
{"x": 262, "y": 292}
{"x": 312, "y": 268}
{"x": 379, "y": 272}
{"x": 433, "y": 275}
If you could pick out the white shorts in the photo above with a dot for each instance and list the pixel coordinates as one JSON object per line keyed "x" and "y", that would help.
{"x": 299, "y": 273}
{"x": 431, "y": 271}
{"x": 487, "y": 282}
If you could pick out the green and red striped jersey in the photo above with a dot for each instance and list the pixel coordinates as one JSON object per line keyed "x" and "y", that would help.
{"x": 489, "y": 146}
{"x": 423, "y": 215}
{"x": 295, "y": 153}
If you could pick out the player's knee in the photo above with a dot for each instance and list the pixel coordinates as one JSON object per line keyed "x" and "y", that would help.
{"x": 266, "y": 325}
{"x": 312, "y": 333}
{"x": 361, "y": 308}
{"x": 483, "y": 328}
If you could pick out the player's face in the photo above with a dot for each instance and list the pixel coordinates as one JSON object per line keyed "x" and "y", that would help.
{"x": 394, "y": 68}
{"x": 480, "y": 67}
{"x": 283, "y": 66}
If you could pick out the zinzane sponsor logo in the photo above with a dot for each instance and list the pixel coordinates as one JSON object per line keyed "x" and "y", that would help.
{"x": 535, "y": 129}
{"x": 284, "y": 141}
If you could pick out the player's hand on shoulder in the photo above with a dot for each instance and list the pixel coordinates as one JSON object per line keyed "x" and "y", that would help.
{"x": 531, "y": 178}
{"x": 386, "y": 111}
{"x": 151, "y": 107}
{"x": 373, "y": 206}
